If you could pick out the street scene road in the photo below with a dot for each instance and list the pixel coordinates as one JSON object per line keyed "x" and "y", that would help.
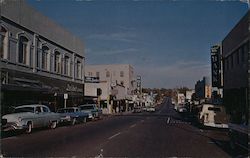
{"x": 85, "y": 78}
{"x": 164, "y": 133}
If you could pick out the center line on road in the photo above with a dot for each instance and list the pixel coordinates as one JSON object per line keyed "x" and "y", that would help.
{"x": 114, "y": 135}
{"x": 132, "y": 125}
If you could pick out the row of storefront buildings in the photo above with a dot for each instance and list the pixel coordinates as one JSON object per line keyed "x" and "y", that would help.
{"x": 43, "y": 63}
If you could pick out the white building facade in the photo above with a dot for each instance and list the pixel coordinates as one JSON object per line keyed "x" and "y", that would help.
{"x": 121, "y": 74}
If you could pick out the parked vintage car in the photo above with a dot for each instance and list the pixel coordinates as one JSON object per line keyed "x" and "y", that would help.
{"x": 137, "y": 110}
{"x": 92, "y": 110}
{"x": 27, "y": 117}
{"x": 150, "y": 109}
{"x": 214, "y": 116}
{"x": 181, "y": 109}
{"x": 72, "y": 115}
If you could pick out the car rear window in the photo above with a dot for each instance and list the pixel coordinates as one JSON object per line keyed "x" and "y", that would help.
{"x": 86, "y": 107}
{"x": 70, "y": 110}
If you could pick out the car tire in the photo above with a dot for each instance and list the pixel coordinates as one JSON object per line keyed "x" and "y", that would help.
{"x": 73, "y": 122}
{"x": 53, "y": 124}
{"x": 85, "y": 120}
{"x": 29, "y": 129}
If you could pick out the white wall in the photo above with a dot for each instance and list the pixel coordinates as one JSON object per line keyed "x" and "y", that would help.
{"x": 119, "y": 92}
{"x": 181, "y": 98}
{"x": 189, "y": 94}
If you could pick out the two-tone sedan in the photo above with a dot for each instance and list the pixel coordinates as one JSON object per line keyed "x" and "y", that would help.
{"x": 27, "y": 117}
{"x": 72, "y": 115}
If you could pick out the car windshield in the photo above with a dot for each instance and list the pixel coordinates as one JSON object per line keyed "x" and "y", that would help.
{"x": 24, "y": 109}
{"x": 69, "y": 110}
{"x": 214, "y": 109}
{"x": 60, "y": 111}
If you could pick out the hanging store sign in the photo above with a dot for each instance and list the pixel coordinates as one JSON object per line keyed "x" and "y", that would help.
{"x": 216, "y": 66}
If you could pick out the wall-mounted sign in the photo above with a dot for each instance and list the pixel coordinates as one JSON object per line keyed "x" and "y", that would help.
{"x": 65, "y": 96}
{"x": 138, "y": 80}
{"x": 92, "y": 79}
{"x": 216, "y": 66}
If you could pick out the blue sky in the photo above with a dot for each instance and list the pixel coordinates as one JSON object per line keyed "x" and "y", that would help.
{"x": 167, "y": 42}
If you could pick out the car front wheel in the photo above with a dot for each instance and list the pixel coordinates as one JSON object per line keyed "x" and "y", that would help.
{"x": 73, "y": 122}
{"x": 53, "y": 125}
{"x": 29, "y": 128}
{"x": 84, "y": 119}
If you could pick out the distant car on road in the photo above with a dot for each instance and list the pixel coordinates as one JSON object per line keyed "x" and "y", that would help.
{"x": 213, "y": 116}
{"x": 72, "y": 115}
{"x": 137, "y": 110}
{"x": 92, "y": 110}
{"x": 27, "y": 117}
{"x": 150, "y": 109}
{"x": 181, "y": 109}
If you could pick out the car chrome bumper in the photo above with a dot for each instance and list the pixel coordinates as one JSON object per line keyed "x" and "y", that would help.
{"x": 65, "y": 119}
{"x": 90, "y": 116}
{"x": 216, "y": 125}
{"x": 10, "y": 126}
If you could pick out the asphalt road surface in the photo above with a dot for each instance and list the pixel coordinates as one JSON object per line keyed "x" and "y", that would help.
{"x": 164, "y": 133}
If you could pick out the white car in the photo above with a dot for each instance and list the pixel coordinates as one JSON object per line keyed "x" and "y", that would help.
{"x": 214, "y": 116}
{"x": 150, "y": 109}
{"x": 27, "y": 117}
{"x": 181, "y": 109}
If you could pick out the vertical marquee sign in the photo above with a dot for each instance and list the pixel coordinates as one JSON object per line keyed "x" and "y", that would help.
{"x": 138, "y": 84}
{"x": 216, "y": 66}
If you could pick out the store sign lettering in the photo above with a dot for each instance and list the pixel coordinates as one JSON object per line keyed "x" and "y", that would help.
{"x": 73, "y": 88}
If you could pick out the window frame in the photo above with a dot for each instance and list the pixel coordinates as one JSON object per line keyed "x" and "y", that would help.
{"x": 5, "y": 42}
{"x": 45, "y": 57}
{"x": 67, "y": 65}
{"x": 57, "y": 62}
{"x": 23, "y": 49}
{"x": 121, "y": 73}
{"x": 107, "y": 74}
